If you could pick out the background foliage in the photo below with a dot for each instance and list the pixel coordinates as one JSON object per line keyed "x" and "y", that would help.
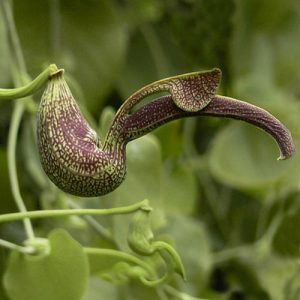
{"x": 219, "y": 195}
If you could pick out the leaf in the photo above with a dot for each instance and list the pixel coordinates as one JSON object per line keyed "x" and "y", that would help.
{"x": 103, "y": 260}
{"x": 143, "y": 181}
{"x": 292, "y": 287}
{"x": 62, "y": 274}
{"x": 86, "y": 38}
{"x": 30, "y": 155}
{"x": 179, "y": 190}
{"x": 3, "y": 257}
{"x": 7, "y": 203}
{"x": 239, "y": 279}
{"x": 4, "y": 54}
{"x": 140, "y": 235}
{"x": 100, "y": 290}
{"x": 244, "y": 157}
{"x": 275, "y": 275}
{"x": 139, "y": 70}
{"x": 191, "y": 243}
{"x": 286, "y": 240}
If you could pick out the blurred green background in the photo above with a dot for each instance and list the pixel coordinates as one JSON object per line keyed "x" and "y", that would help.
{"x": 219, "y": 195}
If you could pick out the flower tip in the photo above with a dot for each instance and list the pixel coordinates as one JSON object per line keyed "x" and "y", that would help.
{"x": 217, "y": 71}
{"x": 55, "y": 71}
{"x": 287, "y": 156}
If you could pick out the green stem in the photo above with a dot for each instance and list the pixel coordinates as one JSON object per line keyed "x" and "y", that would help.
{"x": 74, "y": 212}
{"x": 100, "y": 229}
{"x": 179, "y": 295}
{"x": 31, "y": 87}
{"x": 13, "y": 35}
{"x": 12, "y": 168}
{"x": 160, "y": 245}
{"x": 129, "y": 258}
{"x": 12, "y": 246}
{"x": 18, "y": 61}
{"x": 121, "y": 255}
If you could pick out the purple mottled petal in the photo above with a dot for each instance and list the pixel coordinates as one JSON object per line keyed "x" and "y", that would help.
{"x": 164, "y": 110}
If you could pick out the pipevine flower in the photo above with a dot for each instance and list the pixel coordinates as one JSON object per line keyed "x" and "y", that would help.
{"x": 75, "y": 159}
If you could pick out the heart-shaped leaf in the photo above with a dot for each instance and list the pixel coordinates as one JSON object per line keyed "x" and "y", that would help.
{"x": 61, "y": 275}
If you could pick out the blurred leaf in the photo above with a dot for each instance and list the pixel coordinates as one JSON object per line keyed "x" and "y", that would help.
{"x": 143, "y": 181}
{"x": 286, "y": 241}
{"x": 7, "y": 203}
{"x": 138, "y": 292}
{"x": 245, "y": 157}
{"x": 145, "y": 11}
{"x": 4, "y": 54}
{"x": 30, "y": 155}
{"x": 3, "y": 261}
{"x": 192, "y": 244}
{"x": 105, "y": 121}
{"x": 202, "y": 31}
{"x": 61, "y": 274}
{"x": 275, "y": 274}
{"x": 171, "y": 139}
{"x": 269, "y": 30}
{"x": 239, "y": 279}
{"x": 139, "y": 70}
{"x": 100, "y": 290}
{"x": 104, "y": 260}
{"x": 179, "y": 190}
{"x": 86, "y": 38}
{"x": 292, "y": 287}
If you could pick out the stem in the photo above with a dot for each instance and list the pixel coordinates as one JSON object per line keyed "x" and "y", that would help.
{"x": 12, "y": 168}
{"x": 74, "y": 212}
{"x": 30, "y": 88}
{"x": 12, "y": 246}
{"x": 160, "y": 245}
{"x": 122, "y": 255}
{"x": 94, "y": 223}
{"x": 130, "y": 259}
{"x": 15, "y": 42}
{"x": 17, "y": 113}
{"x": 179, "y": 295}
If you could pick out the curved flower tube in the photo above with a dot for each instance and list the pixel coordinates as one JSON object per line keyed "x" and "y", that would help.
{"x": 73, "y": 156}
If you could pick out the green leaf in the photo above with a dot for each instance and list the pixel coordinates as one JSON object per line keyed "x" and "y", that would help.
{"x": 292, "y": 287}
{"x": 179, "y": 190}
{"x": 102, "y": 261}
{"x": 4, "y": 54}
{"x": 191, "y": 242}
{"x": 140, "y": 68}
{"x": 3, "y": 257}
{"x": 140, "y": 235}
{"x": 239, "y": 278}
{"x": 86, "y": 38}
{"x": 30, "y": 155}
{"x": 100, "y": 290}
{"x": 62, "y": 274}
{"x": 143, "y": 181}
{"x": 286, "y": 240}
{"x": 244, "y": 157}
{"x": 7, "y": 203}
{"x": 275, "y": 274}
